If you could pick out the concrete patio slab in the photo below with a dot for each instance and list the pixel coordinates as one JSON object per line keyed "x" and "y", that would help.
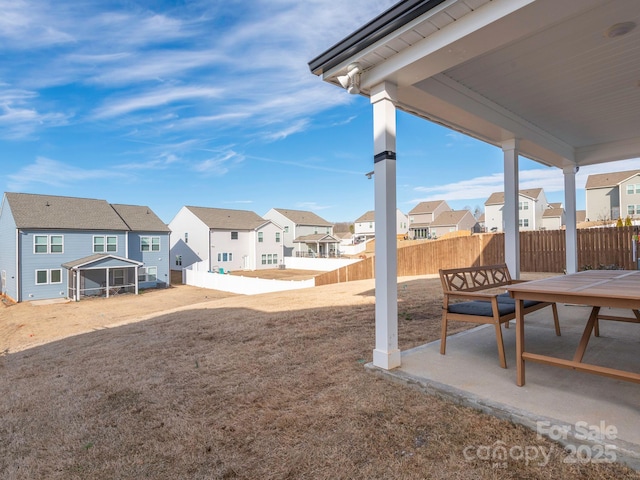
{"x": 563, "y": 404}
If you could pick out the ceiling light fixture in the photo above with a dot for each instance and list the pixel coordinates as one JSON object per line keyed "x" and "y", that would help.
{"x": 619, "y": 29}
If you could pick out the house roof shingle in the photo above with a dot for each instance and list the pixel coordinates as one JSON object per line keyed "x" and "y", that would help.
{"x": 68, "y": 213}
{"x": 451, "y": 217}
{"x": 602, "y": 180}
{"x": 140, "y": 218}
{"x": 497, "y": 198}
{"x": 302, "y": 217}
{"x": 426, "y": 207}
{"x": 227, "y": 219}
{"x": 367, "y": 217}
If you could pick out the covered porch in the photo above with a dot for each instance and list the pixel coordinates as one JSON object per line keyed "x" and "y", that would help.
{"x": 317, "y": 245}
{"x": 554, "y": 82}
{"x": 101, "y": 275}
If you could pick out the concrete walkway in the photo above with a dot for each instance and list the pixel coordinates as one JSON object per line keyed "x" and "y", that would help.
{"x": 562, "y": 404}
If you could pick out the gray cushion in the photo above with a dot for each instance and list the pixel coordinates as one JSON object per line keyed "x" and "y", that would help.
{"x": 482, "y": 309}
{"x": 506, "y": 298}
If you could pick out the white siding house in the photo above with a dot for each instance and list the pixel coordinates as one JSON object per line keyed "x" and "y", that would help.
{"x": 532, "y": 204}
{"x": 224, "y": 239}
{"x": 365, "y": 226}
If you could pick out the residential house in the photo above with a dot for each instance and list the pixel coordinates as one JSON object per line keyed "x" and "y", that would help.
{"x": 610, "y": 196}
{"x": 68, "y": 247}
{"x": 531, "y": 205}
{"x": 224, "y": 239}
{"x": 553, "y": 217}
{"x": 365, "y": 226}
{"x": 305, "y": 233}
{"x": 452, "y": 221}
{"x": 422, "y": 215}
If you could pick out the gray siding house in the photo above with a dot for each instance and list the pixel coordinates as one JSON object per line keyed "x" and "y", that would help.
{"x": 305, "y": 233}
{"x": 453, "y": 221}
{"x": 67, "y": 247}
{"x": 610, "y": 196}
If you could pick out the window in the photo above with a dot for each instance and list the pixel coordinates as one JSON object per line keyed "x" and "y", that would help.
{"x": 105, "y": 244}
{"x": 147, "y": 274}
{"x": 264, "y": 259}
{"x": 260, "y": 239}
{"x": 631, "y": 209}
{"x": 44, "y": 277}
{"x": 523, "y": 222}
{"x": 48, "y": 244}
{"x": 56, "y": 244}
{"x": 275, "y": 258}
{"x": 277, "y": 237}
{"x": 178, "y": 260}
{"x": 225, "y": 257}
{"x": 286, "y": 229}
{"x": 234, "y": 235}
{"x": 630, "y": 189}
{"x": 55, "y": 276}
{"x": 523, "y": 205}
{"x": 149, "y": 244}
{"x": 186, "y": 237}
{"x": 40, "y": 244}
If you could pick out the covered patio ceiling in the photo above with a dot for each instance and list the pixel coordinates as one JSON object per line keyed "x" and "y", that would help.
{"x": 563, "y": 77}
{"x": 554, "y": 81}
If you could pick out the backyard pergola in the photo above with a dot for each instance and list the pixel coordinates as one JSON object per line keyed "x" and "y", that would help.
{"x": 555, "y": 82}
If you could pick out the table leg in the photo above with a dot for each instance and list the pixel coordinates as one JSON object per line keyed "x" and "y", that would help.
{"x": 519, "y": 342}
{"x": 582, "y": 346}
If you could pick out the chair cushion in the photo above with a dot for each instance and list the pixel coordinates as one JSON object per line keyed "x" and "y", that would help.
{"x": 481, "y": 309}
{"x": 506, "y": 298}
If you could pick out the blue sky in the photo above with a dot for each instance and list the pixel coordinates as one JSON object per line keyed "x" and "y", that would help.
{"x": 211, "y": 103}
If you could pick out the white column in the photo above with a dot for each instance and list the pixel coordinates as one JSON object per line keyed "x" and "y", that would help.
{"x": 135, "y": 272}
{"x": 571, "y": 234}
{"x": 386, "y": 354}
{"x": 107, "y": 283}
{"x": 510, "y": 210}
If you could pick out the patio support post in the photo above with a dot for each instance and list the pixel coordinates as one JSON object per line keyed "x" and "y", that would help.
{"x": 510, "y": 209}
{"x": 135, "y": 272}
{"x": 107, "y": 283}
{"x": 571, "y": 235}
{"x": 386, "y": 354}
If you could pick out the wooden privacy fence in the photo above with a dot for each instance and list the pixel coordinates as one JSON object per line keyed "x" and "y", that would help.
{"x": 540, "y": 251}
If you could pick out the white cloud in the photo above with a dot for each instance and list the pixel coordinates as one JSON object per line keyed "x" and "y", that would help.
{"x": 156, "y": 98}
{"x": 52, "y": 173}
{"x": 219, "y": 165}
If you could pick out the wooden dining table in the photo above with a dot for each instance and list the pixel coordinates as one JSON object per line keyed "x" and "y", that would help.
{"x": 618, "y": 289}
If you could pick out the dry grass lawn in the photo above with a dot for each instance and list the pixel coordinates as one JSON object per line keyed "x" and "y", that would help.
{"x": 188, "y": 383}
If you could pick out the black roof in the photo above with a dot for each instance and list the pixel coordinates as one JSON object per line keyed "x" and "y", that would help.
{"x": 392, "y": 19}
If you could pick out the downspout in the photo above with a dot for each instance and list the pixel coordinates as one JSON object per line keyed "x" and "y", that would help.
{"x": 18, "y": 279}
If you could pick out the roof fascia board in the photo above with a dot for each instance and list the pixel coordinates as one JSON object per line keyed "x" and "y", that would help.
{"x": 384, "y": 24}
{"x": 608, "y": 152}
{"x": 456, "y": 94}
{"x": 439, "y": 44}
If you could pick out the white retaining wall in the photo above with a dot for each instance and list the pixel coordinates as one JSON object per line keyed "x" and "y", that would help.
{"x": 238, "y": 284}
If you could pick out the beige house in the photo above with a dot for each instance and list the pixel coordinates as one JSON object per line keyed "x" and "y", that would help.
{"x": 613, "y": 195}
{"x": 532, "y": 204}
{"x": 453, "y": 221}
{"x": 423, "y": 215}
{"x": 553, "y": 217}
